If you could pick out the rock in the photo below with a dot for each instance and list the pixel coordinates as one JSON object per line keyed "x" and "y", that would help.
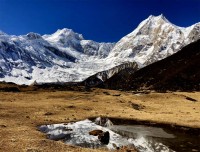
{"x": 71, "y": 106}
{"x": 116, "y": 95}
{"x": 2, "y": 126}
{"x": 28, "y": 117}
{"x": 137, "y": 106}
{"x": 87, "y": 109}
{"x": 191, "y": 99}
{"x": 104, "y": 137}
{"x": 48, "y": 113}
{"x": 106, "y": 93}
{"x": 95, "y": 132}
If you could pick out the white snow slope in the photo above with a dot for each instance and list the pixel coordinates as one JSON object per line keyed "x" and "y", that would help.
{"x": 154, "y": 39}
{"x": 66, "y": 57}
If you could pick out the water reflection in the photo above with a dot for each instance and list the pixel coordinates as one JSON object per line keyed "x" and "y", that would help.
{"x": 144, "y": 138}
{"x": 141, "y": 131}
{"x": 141, "y": 137}
{"x": 154, "y": 139}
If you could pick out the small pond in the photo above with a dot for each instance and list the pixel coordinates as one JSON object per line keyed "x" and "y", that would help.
{"x": 144, "y": 138}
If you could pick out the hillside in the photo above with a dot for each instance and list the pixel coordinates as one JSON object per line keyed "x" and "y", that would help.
{"x": 180, "y": 71}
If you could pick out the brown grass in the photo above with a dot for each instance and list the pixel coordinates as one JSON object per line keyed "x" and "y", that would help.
{"x": 22, "y": 112}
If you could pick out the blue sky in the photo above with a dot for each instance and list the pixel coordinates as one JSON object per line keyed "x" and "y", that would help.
{"x": 99, "y": 20}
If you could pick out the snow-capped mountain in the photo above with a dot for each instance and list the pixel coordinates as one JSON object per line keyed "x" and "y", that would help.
{"x": 66, "y": 56}
{"x": 61, "y": 57}
{"x": 154, "y": 39}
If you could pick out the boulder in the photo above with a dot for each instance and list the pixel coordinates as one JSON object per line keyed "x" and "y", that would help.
{"x": 96, "y": 132}
{"x": 104, "y": 137}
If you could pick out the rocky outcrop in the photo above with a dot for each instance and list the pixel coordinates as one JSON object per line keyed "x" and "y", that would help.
{"x": 100, "y": 77}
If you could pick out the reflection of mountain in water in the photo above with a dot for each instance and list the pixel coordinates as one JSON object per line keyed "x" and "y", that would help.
{"x": 144, "y": 144}
{"x": 78, "y": 134}
{"x": 142, "y": 137}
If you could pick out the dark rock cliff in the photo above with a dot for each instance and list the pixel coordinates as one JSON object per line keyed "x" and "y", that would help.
{"x": 180, "y": 71}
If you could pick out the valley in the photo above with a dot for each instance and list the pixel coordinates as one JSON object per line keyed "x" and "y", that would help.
{"x": 22, "y": 111}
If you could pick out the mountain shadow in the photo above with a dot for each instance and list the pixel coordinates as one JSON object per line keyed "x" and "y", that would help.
{"x": 180, "y": 71}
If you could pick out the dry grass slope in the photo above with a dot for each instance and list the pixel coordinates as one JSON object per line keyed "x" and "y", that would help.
{"x": 21, "y": 112}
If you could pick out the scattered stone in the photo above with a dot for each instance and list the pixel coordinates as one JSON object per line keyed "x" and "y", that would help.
{"x": 191, "y": 99}
{"x": 3, "y": 126}
{"x": 106, "y": 93}
{"x": 87, "y": 109}
{"x": 71, "y": 106}
{"x": 137, "y": 106}
{"x": 48, "y": 113}
{"x": 121, "y": 101}
{"x": 27, "y": 117}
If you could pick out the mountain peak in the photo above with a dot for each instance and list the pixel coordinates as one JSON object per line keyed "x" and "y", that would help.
{"x": 63, "y": 35}
{"x": 158, "y": 18}
{"x": 33, "y": 35}
{"x": 66, "y": 33}
{"x": 155, "y": 38}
